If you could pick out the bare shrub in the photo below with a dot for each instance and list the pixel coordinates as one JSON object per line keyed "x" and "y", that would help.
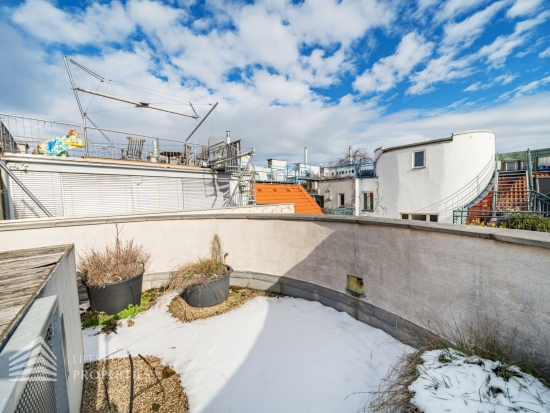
{"x": 485, "y": 337}
{"x": 113, "y": 263}
{"x": 198, "y": 272}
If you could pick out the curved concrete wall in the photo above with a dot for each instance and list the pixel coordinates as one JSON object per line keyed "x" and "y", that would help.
{"x": 414, "y": 270}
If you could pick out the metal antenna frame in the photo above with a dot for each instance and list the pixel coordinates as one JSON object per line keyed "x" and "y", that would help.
{"x": 137, "y": 104}
{"x": 201, "y": 122}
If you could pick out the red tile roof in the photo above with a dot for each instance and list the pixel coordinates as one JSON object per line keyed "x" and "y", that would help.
{"x": 287, "y": 194}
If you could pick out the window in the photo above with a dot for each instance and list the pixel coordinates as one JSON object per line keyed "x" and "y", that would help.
{"x": 342, "y": 200}
{"x": 419, "y": 159}
{"x": 524, "y": 165}
{"x": 510, "y": 166}
{"x": 368, "y": 201}
{"x": 421, "y": 217}
{"x": 543, "y": 162}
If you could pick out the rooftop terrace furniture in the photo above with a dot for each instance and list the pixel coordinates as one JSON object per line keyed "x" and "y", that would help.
{"x": 134, "y": 150}
{"x": 186, "y": 155}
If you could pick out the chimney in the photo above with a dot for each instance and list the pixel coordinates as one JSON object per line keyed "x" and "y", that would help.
{"x": 305, "y": 155}
{"x": 350, "y": 155}
{"x": 228, "y": 136}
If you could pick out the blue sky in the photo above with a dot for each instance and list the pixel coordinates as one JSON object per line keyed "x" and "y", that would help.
{"x": 324, "y": 74}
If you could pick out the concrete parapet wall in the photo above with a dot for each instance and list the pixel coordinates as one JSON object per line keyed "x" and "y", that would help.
{"x": 411, "y": 270}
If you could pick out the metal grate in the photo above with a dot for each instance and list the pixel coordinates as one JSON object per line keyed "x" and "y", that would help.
{"x": 40, "y": 392}
{"x": 37, "y": 381}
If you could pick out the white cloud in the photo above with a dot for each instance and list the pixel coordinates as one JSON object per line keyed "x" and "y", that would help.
{"x": 473, "y": 87}
{"x": 497, "y": 52}
{"x": 442, "y": 69}
{"x": 523, "y": 8}
{"x": 499, "y": 80}
{"x": 454, "y": 8}
{"x": 529, "y": 88}
{"x": 97, "y": 23}
{"x": 389, "y": 71}
{"x": 330, "y": 21}
{"x": 279, "y": 89}
{"x": 545, "y": 53}
{"x": 464, "y": 33}
{"x": 505, "y": 79}
{"x": 153, "y": 16}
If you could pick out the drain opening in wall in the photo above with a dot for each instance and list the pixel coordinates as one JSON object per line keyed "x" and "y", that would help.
{"x": 355, "y": 286}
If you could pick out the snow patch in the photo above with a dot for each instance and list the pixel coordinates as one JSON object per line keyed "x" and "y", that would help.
{"x": 451, "y": 382}
{"x": 270, "y": 355}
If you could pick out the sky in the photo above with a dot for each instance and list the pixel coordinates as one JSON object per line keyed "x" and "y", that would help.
{"x": 324, "y": 74}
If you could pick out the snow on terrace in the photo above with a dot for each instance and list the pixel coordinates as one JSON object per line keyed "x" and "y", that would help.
{"x": 270, "y": 355}
{"x": 452, "y": 382}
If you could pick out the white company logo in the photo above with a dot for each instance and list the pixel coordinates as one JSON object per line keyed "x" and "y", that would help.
{"x": 34, "y": 362}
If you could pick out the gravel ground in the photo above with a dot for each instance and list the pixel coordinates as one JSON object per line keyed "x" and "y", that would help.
{"x": 237, "y": 296}
{"x": 160, "y": 391}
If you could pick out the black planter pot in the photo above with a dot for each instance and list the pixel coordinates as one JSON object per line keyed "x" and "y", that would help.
{"x": 210, "y": 293}
{"x": 113, "y": 298}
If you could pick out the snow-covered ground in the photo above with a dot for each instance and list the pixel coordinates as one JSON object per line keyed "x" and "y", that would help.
{"x": 451, "y": 382}
{"x": 270, "y": 355}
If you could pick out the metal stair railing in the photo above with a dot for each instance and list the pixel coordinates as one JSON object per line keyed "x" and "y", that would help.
{"x": 244, "y": 192}
{"x": 539, "y": 202}
{"x": 465, "y": 195}
{"x": 539, "y": 209}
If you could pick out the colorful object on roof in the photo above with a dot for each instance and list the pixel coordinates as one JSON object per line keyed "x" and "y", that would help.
{"x": 287, "y": 194}
{"x": 60, "y": 145}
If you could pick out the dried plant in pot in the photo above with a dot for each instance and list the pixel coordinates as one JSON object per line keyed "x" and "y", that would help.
{"x": 204, "y": 282}
{"x": 113, "y": 275}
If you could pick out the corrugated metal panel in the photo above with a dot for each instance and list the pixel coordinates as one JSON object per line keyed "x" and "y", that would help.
{"x": 78, "y": 194}
{"x": 46, "y": 187}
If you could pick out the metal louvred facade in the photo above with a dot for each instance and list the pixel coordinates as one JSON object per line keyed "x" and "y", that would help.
{"x": 69, "y": 194}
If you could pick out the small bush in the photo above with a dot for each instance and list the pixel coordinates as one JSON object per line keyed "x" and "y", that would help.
{"x": 529, "y": 222}
{"x": 114, "y": 263}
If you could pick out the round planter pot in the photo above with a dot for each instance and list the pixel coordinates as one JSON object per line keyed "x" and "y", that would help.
{"x": 210, "y": 293}
{"x": 113, "y": 298}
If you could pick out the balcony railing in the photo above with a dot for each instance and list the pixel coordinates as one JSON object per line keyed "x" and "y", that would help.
{"x": 20, "y": 134}
{"x": 532, "y": 221}
{"x": 339, "y": 211}
{"x": 366, "y": 169}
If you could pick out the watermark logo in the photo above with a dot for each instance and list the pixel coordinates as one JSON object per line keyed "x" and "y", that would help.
{"x": 34, "y": 362}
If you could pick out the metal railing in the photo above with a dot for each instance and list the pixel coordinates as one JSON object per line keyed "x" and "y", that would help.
{"x": 339, "y": 211}
{"x": 99, "y": 142}
{"x": 465, "y": 195}
{"x": 289, "y": 173}
{"x": 366, "y": 169}
{"x": 527, "y": 220}
{"x": 300, "y": 172}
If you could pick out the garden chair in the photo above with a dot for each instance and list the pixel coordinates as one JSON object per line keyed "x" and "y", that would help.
{"x": 134, "y": 149}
